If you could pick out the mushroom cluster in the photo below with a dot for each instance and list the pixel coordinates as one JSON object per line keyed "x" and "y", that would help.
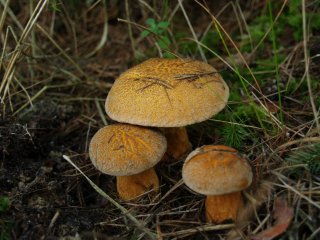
{"x": 169, "y": 94}
{"x": 153, "y": 102}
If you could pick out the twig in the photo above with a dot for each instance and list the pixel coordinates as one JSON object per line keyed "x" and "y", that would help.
{"x": 199, "y": 229}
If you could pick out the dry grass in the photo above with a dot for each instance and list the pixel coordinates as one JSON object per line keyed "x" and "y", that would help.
{"x": 58, "y": 61}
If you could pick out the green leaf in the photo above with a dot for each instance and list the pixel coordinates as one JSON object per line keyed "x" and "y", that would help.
{"x": 163, "y": 25}
{"x": 145, "y": 33}
{"x": 151, "y": 22}
{"x": 164, "y": 42}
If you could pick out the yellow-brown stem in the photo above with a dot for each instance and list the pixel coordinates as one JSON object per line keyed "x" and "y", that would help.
{"x": 133, "y": 186}
{"x": 178, "y": 143}
{"x": 223, "y": 207}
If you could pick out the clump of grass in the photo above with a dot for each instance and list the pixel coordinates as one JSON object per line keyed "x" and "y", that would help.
{"x": 234, "y": 135}
{"x": 308, "y": 156}
{"x": 4, "y": 224}
{"x": 4, "y": 203}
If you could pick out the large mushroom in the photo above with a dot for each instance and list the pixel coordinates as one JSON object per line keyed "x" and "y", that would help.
{"x": 169, "y": 94}
{"x": 128, "y": 152}
{"x": 220, "y": 173}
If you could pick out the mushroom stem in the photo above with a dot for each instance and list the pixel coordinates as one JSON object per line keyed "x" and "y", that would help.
{"x": 133, "y": 186}
{"x": 223, "y": 207}
{"x": 178, "y": 143}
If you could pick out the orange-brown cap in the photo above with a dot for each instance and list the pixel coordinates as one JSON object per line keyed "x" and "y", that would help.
{"x": 167, "y": 93}
{"x": 216, "y": 170}
{"x": 123, "y": 149}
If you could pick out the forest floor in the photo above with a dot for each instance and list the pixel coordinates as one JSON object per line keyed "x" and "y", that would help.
{"x": 58, "y": 61}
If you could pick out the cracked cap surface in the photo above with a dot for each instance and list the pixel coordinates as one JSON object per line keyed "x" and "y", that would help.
{"x": 167, "y": 93}
{"x": 216, "y": 170}
{"x": 123, "y": 149}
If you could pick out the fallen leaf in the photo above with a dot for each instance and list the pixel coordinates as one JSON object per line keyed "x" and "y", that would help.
{"x": 272, "y": 107}
{"x": 283, "y": 216}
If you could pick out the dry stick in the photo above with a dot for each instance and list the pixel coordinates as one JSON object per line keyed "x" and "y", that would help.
{"x": 138, "y": 224}
{"x": 192, "y": 31}
{"x": 306, "y": 60}
{"x": 199, "y": 229}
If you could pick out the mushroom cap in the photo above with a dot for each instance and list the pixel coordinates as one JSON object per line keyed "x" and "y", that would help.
{"x": 216, "y": 170}
{"x": 123, "y": 149}
{"x": 167, "y": 93}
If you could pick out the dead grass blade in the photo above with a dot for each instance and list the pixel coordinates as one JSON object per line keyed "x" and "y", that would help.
{"x": 4, "y": 14}
{"x": 307, "y": 61}
{"x": 205, "y": 228}
{"x": 8, "y": 75}
{"x": 104, "y": 36}
{"x": 192, "y": 30}
{"x": 62, "y": 51}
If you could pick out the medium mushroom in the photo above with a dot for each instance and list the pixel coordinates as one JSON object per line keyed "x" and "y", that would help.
{"x": 128, "y": 152}
{"x": 220, "y": 173}
{"x": 169, "y": 94}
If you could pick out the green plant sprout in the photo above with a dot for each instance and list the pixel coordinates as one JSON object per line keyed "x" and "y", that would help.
{"x": 160, "y": 29}
{"x": 4, "y": 204}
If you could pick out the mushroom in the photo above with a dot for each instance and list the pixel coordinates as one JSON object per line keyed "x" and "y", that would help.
{"x": 128, "y": 152}
{"x": 169, "y": 94}
{"x": 220, "y": 173}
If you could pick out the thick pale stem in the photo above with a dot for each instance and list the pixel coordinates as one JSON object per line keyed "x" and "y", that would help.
{"x": 178, "y": 143}
{"x": 223, "y": 207}
{"x": 133, "y": 186}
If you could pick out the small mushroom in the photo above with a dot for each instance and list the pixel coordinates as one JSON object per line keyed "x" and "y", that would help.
{"x": 169, "y": 94}
{"x": 130, "y": 153}
{"x": 220, "y": 173}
